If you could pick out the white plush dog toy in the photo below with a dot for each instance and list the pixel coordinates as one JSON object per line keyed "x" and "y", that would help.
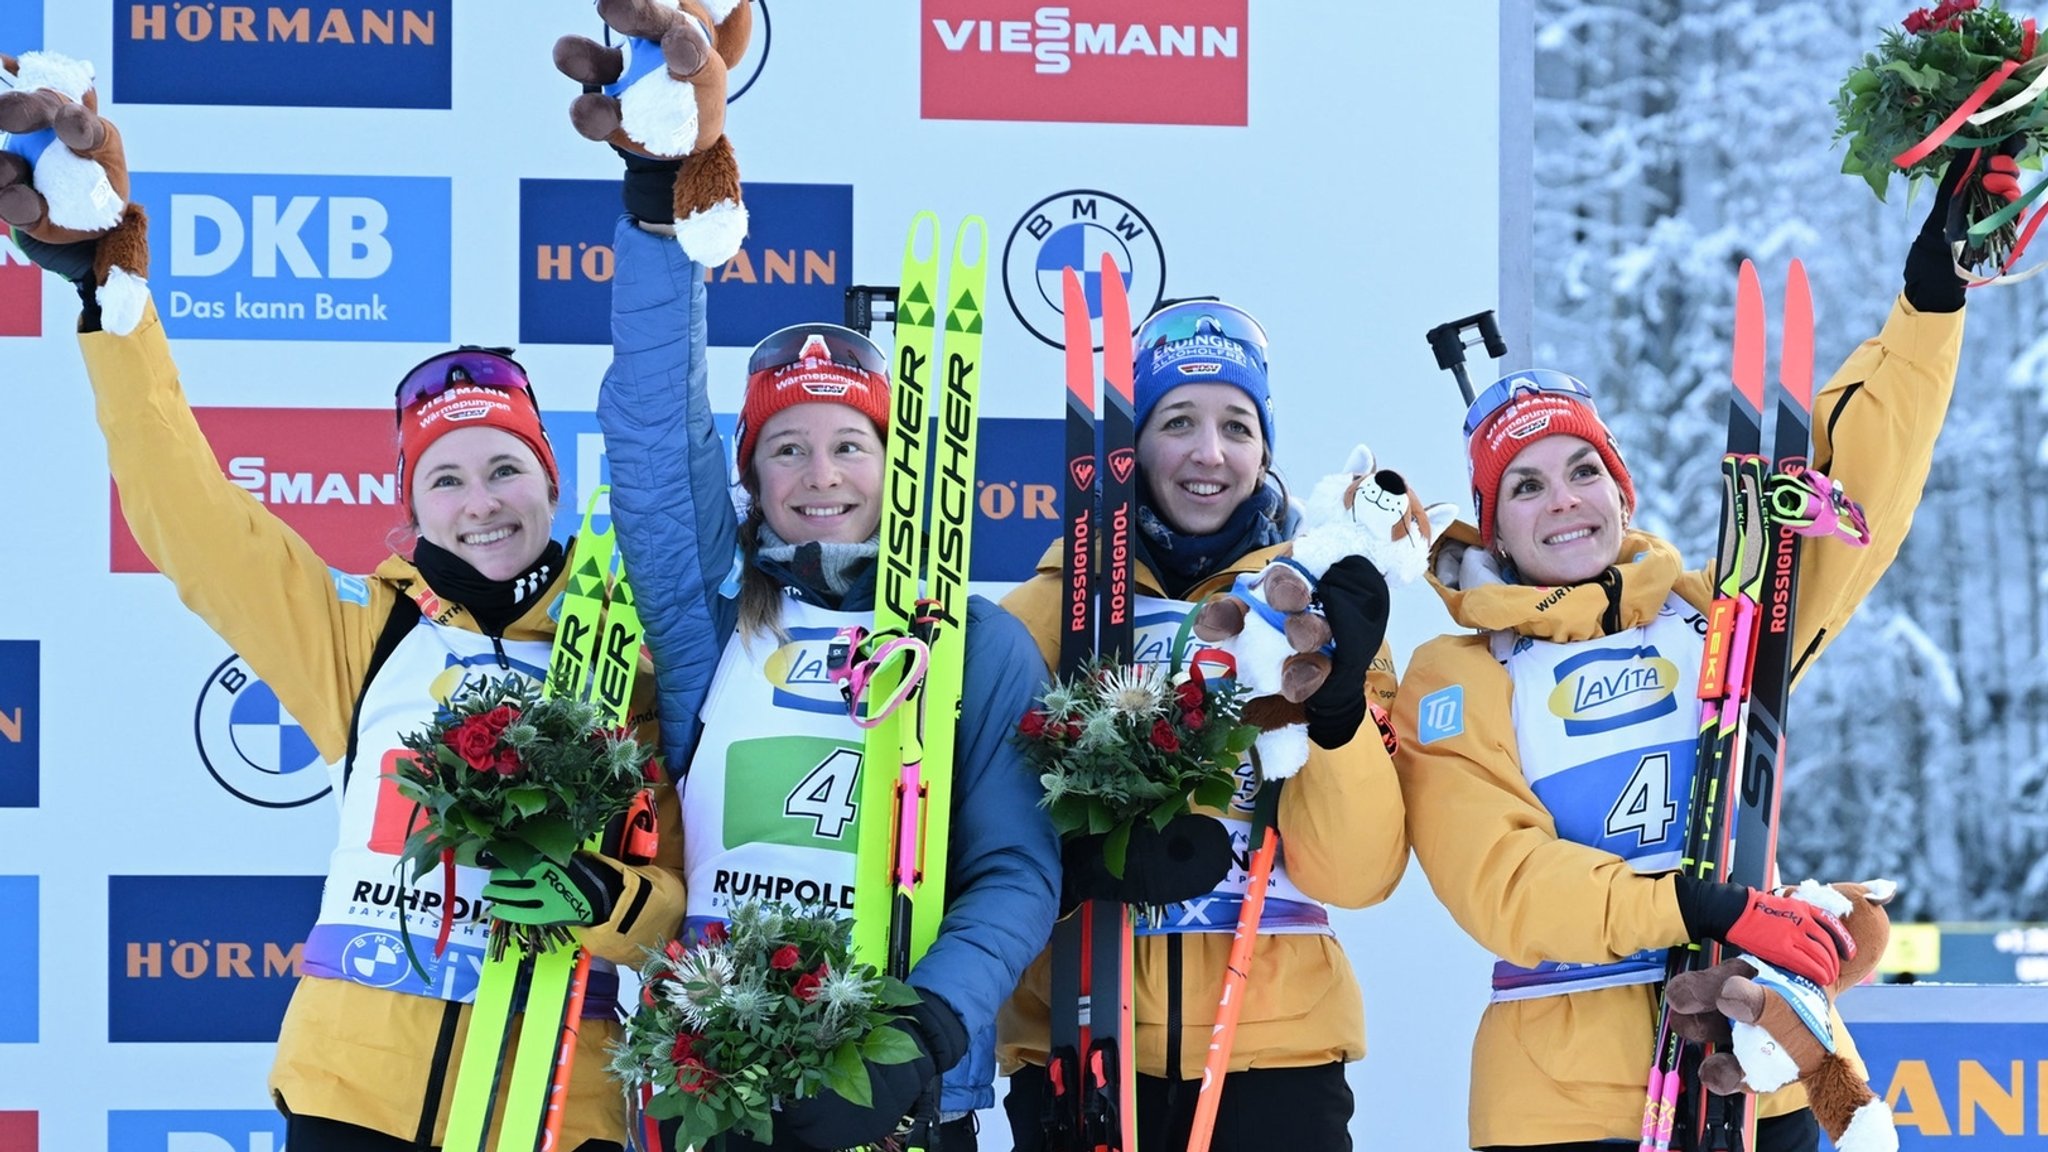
{"x": 1267, "y": 624}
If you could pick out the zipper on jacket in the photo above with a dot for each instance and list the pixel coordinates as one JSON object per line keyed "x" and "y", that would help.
{"x": 1834, "y": 415}
{"x": 498, "y": 646}
{"x": 444, "y": 1051}
{"x": 1174, "y": 975}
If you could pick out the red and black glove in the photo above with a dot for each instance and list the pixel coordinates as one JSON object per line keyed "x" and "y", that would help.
{"x": 1779, "y": 930}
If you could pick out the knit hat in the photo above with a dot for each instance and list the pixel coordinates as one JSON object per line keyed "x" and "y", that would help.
{"x": 1201, "y": 342}
{"x": 467, "y": 388}
{"x": 1531, "y": 406}
{"x": 811, "y": 364}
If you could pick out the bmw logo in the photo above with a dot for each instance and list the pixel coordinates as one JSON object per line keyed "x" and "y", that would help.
{"x": 1073, "y": 230}
{"x": 252, "y": 745}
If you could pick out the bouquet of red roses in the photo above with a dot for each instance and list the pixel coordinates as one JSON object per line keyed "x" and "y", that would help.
{"x": 1957, "y": 76}
{"x": 505, "y": 776}
{"x": 767, "y": 1008}
{"x": 1121, "y": 743}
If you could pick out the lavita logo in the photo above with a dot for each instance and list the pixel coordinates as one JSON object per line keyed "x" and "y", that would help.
{"x": 300, "y": 257}
{"x": 195, "y": 1131}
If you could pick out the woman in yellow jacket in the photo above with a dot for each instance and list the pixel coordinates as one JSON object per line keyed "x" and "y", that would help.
{"x": 1513, "y": 811}
{"x": 367, "y": 1056}
{"x": 1210, "y": 510}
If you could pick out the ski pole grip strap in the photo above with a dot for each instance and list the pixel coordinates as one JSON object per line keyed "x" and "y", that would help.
{"x": 1811, "y": 504}
{"x": 918, "y": 659}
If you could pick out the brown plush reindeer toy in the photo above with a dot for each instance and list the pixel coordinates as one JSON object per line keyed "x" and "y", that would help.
{"x": 64, "y": 177}
{"x": 1773, "y": 1028}
{"x": 661, "y": 95}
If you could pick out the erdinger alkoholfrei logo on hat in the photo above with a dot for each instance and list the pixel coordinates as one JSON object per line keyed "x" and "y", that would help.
{"x": 1074, "y": 229}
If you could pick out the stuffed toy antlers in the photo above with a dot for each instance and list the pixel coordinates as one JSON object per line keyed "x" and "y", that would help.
{"x": 661, "y": 94}
{"x": 64, "y": 177}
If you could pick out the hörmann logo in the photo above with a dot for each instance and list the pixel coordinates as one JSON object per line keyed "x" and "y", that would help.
{"x": 1097, "y": 61}
{"x": 1072, "y": 230}
{"x": 314, "y": 55}
{"x": 205, "y": 959}
{"x": 21, "y": 723}
{"x": 326, "y": 472}
{"x": 299, "y": 257}
{"x": 794, "y": 266}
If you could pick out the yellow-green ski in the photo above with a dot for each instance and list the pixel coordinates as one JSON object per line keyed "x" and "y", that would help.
{"x": 595, "y": 657}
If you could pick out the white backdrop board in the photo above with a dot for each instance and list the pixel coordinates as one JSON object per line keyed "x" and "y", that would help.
{"x": 413, "y": 164}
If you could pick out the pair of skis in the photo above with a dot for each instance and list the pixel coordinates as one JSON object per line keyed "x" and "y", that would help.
{"x": 920, "y": 598}
{"x": 596, "y": 657}
{"x": 1091, "y": 1070}
{"x": 1767, "y": 504}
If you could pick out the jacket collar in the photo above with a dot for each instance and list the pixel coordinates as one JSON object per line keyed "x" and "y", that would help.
{"x": 1627, "y": 595}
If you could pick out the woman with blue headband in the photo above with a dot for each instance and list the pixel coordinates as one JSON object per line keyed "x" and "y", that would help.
{"x": 1211, "y": 509}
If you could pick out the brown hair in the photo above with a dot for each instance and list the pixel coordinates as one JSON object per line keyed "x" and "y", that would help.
{"x": 760, "y": 593}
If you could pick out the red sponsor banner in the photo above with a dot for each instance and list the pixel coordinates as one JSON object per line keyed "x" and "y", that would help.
{"x": 1086, "y": 61}
{"x": 21, "y": 292}
{"x": 18, "y": 1131}
{"x": 330, "y": 473}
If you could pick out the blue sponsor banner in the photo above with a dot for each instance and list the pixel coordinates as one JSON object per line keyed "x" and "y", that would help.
{"x": 21, "y": 723}
{"x": 247, "y": 257}
{"x": 20, "y": 944}
{"x": 1960, "y": 1065}
{"x": 252, "y": 1130}
{"x": 1017, "y": 493}
{"x": 21, "y": 26}
{"x": 795, "y": 265}
{"x": 311, "y": 54}
{"x": 204, "y": 959}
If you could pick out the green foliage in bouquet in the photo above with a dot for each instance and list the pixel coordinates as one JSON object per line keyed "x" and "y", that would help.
{"x": 766, "y": 1009}
{"x": 503, "y": 773}
{"x": 1123, "y": 743}
{"x": 1921, "y": 72}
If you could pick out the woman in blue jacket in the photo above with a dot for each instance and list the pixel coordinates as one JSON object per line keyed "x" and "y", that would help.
{"x": 733, "y": 604}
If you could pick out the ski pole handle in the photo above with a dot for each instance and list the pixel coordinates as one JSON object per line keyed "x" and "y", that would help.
{"x": 1448, "y": 342}
{"x": 1236, "y": 971}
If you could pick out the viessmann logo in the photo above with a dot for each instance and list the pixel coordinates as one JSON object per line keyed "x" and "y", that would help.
{"x": 246, "y": 257}
{"x": 1091, "y": 61}
{"x": 328, "y": 473}
{"x": 330, "y": 55}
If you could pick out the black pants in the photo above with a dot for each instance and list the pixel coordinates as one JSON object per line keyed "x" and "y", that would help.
{"x": 315, "y": 1134}
{"x": 955, "y": 1136}
{"x": 1792, "y": 1132}
{"x": 1298, "y": 1109}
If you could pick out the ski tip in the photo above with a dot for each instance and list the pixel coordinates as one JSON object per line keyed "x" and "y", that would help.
{"x": 975, "y": 255}
{"x": 922, "y": 224}
{"x": 1748, "y": 369}
{"x": 1795, "y": 357}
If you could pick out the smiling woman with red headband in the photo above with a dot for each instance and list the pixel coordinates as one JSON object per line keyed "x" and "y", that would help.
{"x": 368, "y": 1051}
{"x": 1552, "y": 839}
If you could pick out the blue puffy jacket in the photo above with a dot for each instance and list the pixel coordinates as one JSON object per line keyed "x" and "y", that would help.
{"x": 677, "y": 528}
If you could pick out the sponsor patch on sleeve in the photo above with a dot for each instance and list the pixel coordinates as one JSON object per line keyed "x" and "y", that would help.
{"x": 352, "y": 589}
{"x": 1441, "y": 714}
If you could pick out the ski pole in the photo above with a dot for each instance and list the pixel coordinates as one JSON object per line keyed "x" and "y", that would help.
{"x": 1448, "y": 341}
{"x": 1223, "y": 1034}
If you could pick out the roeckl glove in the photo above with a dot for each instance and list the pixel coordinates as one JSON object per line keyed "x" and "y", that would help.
{"x": 1355, "y": 600}
{"x": 1778, "y": 930}
{"x": 581, "y": 893}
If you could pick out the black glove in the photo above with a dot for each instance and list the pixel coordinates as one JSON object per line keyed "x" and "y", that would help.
{"x": 1931, "y": 281}
{"x": 649, "y": 190}
{"x": 1186, "y": 859}
{"x": 1355, "y": 601}
{"x": 74, "y": 263}
{"x": 828, "y": 1120}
